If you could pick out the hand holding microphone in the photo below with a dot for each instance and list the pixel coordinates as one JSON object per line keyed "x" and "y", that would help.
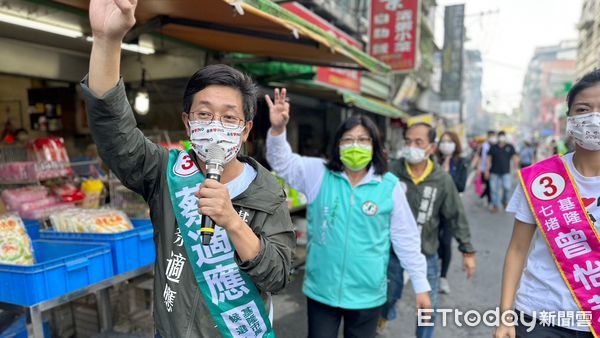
{"x": 214, "y": 202}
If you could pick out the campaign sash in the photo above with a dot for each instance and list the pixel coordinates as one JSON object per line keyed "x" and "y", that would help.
{"x": 232, "y": 298}
{"x": 568, "y": 230}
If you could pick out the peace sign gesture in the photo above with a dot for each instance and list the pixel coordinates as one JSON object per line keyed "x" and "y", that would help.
{"x": 279, "y": 111}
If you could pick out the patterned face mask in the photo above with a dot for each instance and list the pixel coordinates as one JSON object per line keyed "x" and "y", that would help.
{"x": 585, "y": 130}
{"x": 202, "y": 134}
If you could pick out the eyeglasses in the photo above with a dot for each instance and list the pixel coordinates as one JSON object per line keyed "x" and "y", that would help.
{"x": 363, "y": 140}
{"x": 227, "y": 121}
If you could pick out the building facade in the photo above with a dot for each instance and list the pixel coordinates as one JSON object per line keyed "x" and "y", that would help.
{"x": 549, "y": 76}
{"x": 588, "y": 47}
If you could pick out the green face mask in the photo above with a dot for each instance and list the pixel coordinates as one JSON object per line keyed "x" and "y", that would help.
{"x": 356, "y": 157}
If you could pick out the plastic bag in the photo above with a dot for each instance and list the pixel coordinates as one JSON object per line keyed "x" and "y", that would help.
{"x": 15, "y": 244}
{"x": 479, "y": 188}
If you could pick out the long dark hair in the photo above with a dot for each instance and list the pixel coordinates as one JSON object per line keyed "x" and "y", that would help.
{"x": 378, "y": 162}
{"x": 457, "y": 151}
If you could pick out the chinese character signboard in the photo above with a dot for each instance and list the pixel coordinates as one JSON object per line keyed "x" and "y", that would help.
{"x": 452, "y": 62}
{"x": 394, "y": 33}
{"x": 334, "y": 77}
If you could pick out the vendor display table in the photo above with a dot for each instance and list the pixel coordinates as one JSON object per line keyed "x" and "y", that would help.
{"x": 101, "y": 291}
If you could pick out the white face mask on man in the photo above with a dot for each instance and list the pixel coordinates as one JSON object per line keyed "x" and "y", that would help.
{"x": 202, "y": 134}
{"x": 414, "y": 155}
{"x": 585, "y": 130}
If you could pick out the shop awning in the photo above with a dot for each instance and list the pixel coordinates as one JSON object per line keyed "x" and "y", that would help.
{"x": 344, "y": 97}
{"x": 264, "y": 29}
{"x": 372, "y": 105}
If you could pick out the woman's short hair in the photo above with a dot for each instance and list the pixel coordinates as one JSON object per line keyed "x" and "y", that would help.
{"x": 378, "y": 162}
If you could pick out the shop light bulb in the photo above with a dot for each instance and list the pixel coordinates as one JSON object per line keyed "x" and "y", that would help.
{"x": 142, "y": 102}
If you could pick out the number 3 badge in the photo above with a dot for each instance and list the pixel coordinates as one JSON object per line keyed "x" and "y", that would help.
{"x": 185, "y": 166}
{"x": 548, "y": 186}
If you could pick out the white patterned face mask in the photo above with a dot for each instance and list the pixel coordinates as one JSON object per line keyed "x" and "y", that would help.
{"x": 585, "y": 130}
{"x": 202, "y": 134}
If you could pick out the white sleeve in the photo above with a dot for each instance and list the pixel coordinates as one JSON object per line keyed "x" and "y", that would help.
{"x": 519, "y": 206}
{"x": 304, "y": 174}
{"x": 406, "y": 241}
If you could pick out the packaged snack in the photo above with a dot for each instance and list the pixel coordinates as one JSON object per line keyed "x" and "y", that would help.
{"x": 68, "y": 193}
{"x": 81, "y": 220}
{"x": 15, "y": 244}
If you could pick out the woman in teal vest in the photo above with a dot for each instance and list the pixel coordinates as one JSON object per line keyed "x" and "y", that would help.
{"x": 356, "y": 212}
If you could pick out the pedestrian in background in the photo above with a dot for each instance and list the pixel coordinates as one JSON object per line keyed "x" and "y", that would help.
{"x": 526, "y": 155}
{"x": 432, "y": 196}
{"x": 480, "y": 161}
{"x": 501, "y": 157}
{"x": 450, "y": 158}
{"x": 356, "y": 212}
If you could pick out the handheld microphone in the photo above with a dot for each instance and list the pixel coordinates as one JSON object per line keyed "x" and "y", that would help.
{"x": 214, "y": 170}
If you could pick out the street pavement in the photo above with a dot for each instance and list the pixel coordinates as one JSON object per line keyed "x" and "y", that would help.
{"x": 490, "y": 236}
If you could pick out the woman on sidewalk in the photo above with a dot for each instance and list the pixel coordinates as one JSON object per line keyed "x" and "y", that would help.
{"x": 450, "y": 158}
{"x": 356, "y": 211}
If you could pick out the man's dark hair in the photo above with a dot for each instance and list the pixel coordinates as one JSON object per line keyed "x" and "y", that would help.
{"x": 502, "y": 133}
{"x": 491, "y": 132}
{"x": 378, "y": 162}
{"x": 222, "y": 75}
{"x": 590, "y": 79}
{"x": 431, "y": 133}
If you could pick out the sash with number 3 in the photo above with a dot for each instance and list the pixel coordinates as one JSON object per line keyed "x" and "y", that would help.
{"x": 231, "y": 296}
{"x": 568, "y": 230}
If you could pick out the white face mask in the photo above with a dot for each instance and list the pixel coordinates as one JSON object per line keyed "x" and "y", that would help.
{"x": 202, "y": 134}
{"x": 585, "y": 130}
{"x": 414, "y": 155}
{"x": 493, "y": 140}
{"x": 447, "y": 148}
{"x": 502, "y": 139}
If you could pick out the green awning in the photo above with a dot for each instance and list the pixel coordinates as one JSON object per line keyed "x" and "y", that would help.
{"x": 264, "y": 72}
{"x": 363, "y": 59}
{"x": 372, "y": 105}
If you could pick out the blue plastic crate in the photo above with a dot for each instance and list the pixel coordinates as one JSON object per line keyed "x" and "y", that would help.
{"x": 130, "y": 249}
{"x": 18, "y": 329}
{"x": 61, "y": 267}
{"x": 33, "y": 228}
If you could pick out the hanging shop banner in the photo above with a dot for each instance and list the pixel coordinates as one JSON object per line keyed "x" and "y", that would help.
{"x": 394, "y": 33}
{"x": 452, "y": 62}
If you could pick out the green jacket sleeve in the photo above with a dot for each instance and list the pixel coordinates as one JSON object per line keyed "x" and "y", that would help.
{"x": 270, "y": 270}
{"x": 453, "y": 212}
{"x": 135, "y": 160}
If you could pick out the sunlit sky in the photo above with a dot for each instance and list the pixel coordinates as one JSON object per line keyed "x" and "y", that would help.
{"x": 507, "y": 38}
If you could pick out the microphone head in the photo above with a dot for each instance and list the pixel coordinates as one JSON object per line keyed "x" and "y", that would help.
{"x": 215, "y": 154}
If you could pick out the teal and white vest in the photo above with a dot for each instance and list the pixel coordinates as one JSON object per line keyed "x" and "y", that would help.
{"x": 349, "y": 242}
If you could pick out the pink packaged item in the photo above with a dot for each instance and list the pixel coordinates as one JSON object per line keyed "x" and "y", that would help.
{"x": 14, "y": 197}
